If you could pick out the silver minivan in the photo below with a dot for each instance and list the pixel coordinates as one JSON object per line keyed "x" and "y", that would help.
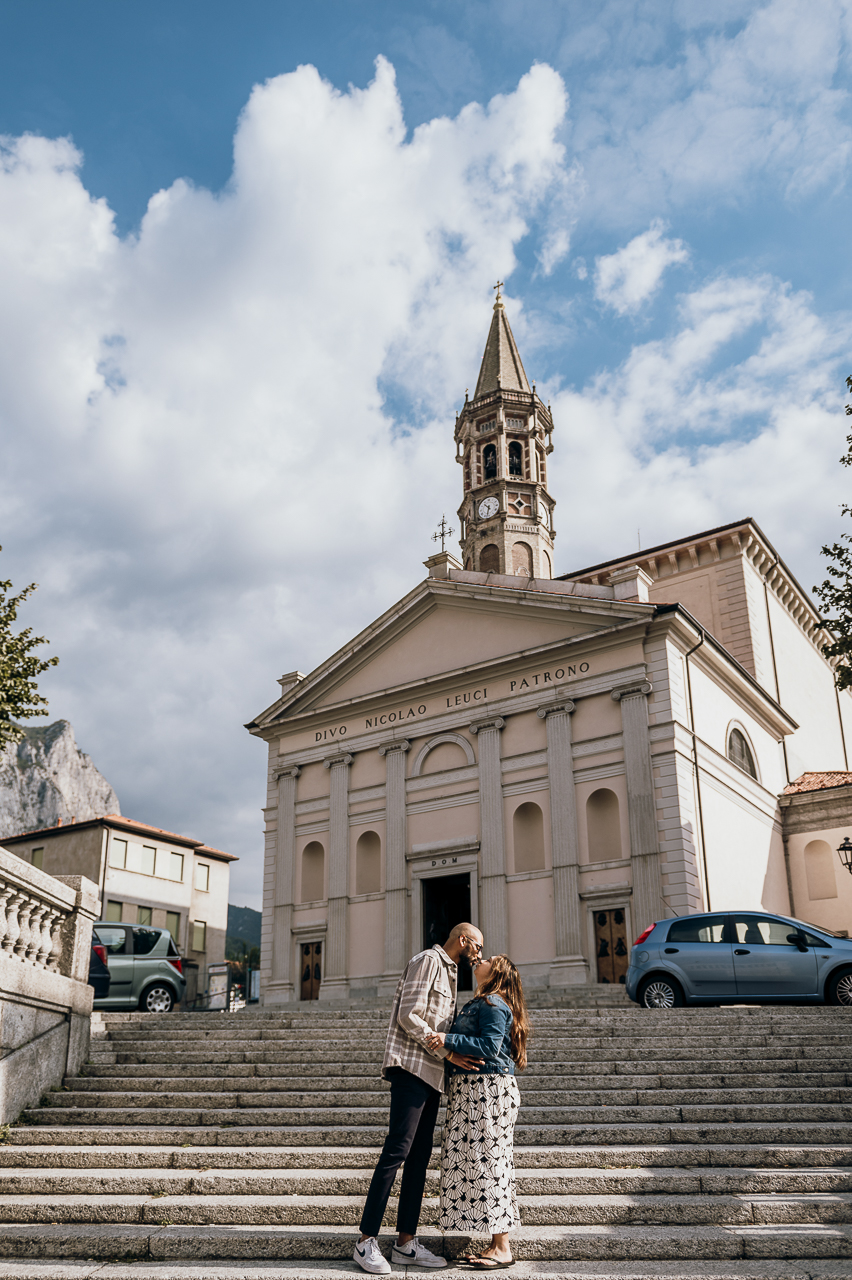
{"x": 145, "y": 969}
{"x": 738, "y": 957}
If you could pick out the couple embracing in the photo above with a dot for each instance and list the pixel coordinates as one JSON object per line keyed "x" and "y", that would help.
{"x": 473, "y": 1055}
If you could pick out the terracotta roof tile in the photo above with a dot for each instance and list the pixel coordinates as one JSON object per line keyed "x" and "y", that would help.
{"x": 818, "y": 782}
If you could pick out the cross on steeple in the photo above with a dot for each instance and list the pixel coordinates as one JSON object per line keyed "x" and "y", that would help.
{"x": 498, "y": 286}
{"x": 444, "y": 531}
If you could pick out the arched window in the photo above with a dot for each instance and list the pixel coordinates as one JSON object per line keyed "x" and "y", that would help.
{"x": 740, "y": 752}
{"x": 489, "y": 559}
{"x": 313, "y": 872}
{"x": 516, "y": 459}
{"x": 368, "y": 863}
{"x": 446, "y": 755}
{"x": 522, "y": 560}
{"x": 604, "y": 826}
{"x": 819, "y": 870}
{"x": 528, "y": 829}
{"x": 489, "y": 461}
{"x": 547, "y": 565}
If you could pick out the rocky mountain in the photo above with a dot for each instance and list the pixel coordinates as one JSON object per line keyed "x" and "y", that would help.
{"x": 46, "y": 778}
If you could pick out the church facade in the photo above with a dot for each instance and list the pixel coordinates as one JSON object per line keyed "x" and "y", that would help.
{"x": 560, "y": 760}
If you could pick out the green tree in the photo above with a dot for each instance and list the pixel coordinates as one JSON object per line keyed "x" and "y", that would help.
{"x": 835, "y": 594}
{"x": 20, "y": 667}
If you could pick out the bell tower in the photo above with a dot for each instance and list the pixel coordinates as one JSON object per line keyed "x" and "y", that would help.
{"x": 503, "y": 437}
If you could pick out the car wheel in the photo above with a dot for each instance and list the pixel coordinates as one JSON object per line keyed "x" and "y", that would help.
{"x": 157, "y": 1000}
{"x": 839, "y": 990}
{"x": 660, "y": 993}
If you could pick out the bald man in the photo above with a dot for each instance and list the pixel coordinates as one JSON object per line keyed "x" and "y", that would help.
{"x": 425, "y": 1002}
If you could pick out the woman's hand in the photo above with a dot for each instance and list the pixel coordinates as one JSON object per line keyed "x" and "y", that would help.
{"x": 435, "y": 1040}
{"x": 467, "y": 1064}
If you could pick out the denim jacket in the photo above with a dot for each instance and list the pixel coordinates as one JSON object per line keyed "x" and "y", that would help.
{"x": 481, "y": 1030}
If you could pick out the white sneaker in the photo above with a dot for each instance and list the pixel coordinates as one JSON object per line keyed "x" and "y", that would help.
{"x": 370, "y": 1258}
{"x": 414, "y": 1254}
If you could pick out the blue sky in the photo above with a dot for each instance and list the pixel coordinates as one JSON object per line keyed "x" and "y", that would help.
{"x": 242, "y": 300}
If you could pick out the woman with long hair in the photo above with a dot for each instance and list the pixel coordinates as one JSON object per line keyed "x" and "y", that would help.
{"x": 477, "y": 1162}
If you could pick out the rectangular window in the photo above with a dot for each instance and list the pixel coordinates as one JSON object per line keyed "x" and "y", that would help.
{"x": 202, "y": 876}
{"x": 118, "y": 853}
{"x": 143, "y": 915}
{"x": 38, "y": 858}
{"x": 173, "y": 924}
{"x": 176, "y": 866}
{"x": 199, "y": 936}
{"x": 113, "y": 912}
{"x": 149, "y": 856}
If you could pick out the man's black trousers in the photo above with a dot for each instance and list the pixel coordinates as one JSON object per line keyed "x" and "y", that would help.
{"x": 413, "y": 1112}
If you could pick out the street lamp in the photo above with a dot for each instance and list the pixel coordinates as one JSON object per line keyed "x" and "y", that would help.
{"x": 844, "y": 853}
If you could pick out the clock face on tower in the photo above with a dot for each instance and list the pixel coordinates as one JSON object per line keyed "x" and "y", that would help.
{"x": 488, "y": 507}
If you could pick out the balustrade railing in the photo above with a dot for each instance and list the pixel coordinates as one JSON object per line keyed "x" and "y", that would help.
{"x": 35, "y": 912}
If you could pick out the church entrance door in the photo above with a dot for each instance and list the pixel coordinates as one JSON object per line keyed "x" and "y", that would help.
{"x": 446, "y": 902}
{"x": 311, "y": 970}
{"x": 611, "y": 946}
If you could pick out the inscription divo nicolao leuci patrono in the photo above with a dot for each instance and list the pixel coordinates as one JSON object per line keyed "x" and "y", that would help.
{"x": 499, "y": 689}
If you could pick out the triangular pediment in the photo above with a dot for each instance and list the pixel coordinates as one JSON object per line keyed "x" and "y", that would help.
{"x": 441, "y": 630}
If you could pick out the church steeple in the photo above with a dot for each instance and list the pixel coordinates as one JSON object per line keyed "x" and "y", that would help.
{"x": 503, "y": 436}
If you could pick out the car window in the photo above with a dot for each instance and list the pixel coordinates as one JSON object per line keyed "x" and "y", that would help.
{"x": 697, "y": 929}
{"x": 756, "y": 931}
{"x": 113, "y": 938}
{"x": 144, "y": 941}
{"x": 811, "y": 940}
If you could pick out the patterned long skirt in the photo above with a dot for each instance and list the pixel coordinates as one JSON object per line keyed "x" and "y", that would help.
{"x": 477, "y": 1162}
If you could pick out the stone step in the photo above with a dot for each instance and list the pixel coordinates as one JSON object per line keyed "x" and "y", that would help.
{"x": 345, "y": 1211}
{"x": 731, "y": 1053}
{"x": 740, "y": 1269}
{"x": 601, "y": 1242}
{"x": 706, "y": 1159}
{"x": 355, "y": 1181}
{"x": 591, "y": 1134}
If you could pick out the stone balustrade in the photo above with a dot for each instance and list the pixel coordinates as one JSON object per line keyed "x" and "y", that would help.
{"x": 45, "y": 999}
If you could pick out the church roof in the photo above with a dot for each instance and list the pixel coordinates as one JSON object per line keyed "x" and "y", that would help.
{"x": 818, "y": 782}
{"x": 502, "y": 369}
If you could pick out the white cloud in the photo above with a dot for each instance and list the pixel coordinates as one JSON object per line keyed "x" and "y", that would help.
{"x": 627, "y": 278}
{"x": 199, "y": 466}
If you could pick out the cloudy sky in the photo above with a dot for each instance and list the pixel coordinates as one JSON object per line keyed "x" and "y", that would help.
{"x": 247, "y": 254}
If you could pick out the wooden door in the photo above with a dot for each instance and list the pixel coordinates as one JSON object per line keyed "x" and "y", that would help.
{"x": 311, "y": 970}
{"x": 611, "y": 947}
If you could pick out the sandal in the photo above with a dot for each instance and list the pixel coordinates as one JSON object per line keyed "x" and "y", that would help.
{"x": 489, "y": 1264}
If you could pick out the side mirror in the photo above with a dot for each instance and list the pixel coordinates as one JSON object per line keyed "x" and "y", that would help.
{"x": 797, "y": 940}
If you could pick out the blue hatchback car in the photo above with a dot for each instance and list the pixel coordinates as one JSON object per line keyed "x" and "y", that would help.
{"x": 738, "y": 957}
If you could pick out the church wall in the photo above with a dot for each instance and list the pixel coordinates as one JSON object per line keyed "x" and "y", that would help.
{"x": 675, "y": 794}
{"x": 439, "y": 821}
{"x": 831, "y": 903}
{"x": 744, "y": 849}
{"x": 367, "y": 937}
{"x": 532, "y": 940}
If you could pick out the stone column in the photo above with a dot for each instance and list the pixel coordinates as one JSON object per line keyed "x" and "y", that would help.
{"x": 570, "y": 965}
{"x": 493, "y": 921}
{"x": 648, "y": 904}
{"x": 282, "y": 908}
{"x": 396, "y": 889}
{"x": 335, "y": 984}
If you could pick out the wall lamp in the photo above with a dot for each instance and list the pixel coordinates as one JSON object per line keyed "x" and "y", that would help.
{"x": 844, "y": 853}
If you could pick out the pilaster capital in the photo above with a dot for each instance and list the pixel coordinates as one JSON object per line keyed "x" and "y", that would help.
{"x": 330, "y": 761}
{"x": 398, "y": 744}
{"x": 566, "y": 705}
{"x": 291, "y": 771}
{"x": 496, "y": 722}
{"x": 638, "y": 689}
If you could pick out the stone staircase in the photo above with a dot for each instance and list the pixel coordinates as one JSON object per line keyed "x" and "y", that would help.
{"x": 679, "y": 1143}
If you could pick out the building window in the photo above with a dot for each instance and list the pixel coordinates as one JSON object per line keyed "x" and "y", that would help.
{"x": 819, "y": 870}
{"x": 368, "y": 863}
{"x": 173, "y": 924}
{"x": 489, "y": 461}
{"x": 143, "y": 915}
{"x": 202, "y": 876}
{"x": 489, "y": 559}
{"x": 199, "y": 935}
{"x": 113, "y": 912}
{"x": 148, "y": 859}
{"x": 603, "y": 823}
{"x": 176, "y": 866}
{"x": 313, "y": 872}
{"x": 118, "y": 853}
{"x": 516, "y": 424}
{"x": 522, "y": 565}
{"x": 740, "y": 753}
{"x": 528, "y": 831}
{"x": 37, "y": 858}
{"x": 516, "y": 459}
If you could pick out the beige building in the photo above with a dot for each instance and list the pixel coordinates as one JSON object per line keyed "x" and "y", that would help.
{"x": 145, "y": 876}
{"x": 562, "y": 761}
